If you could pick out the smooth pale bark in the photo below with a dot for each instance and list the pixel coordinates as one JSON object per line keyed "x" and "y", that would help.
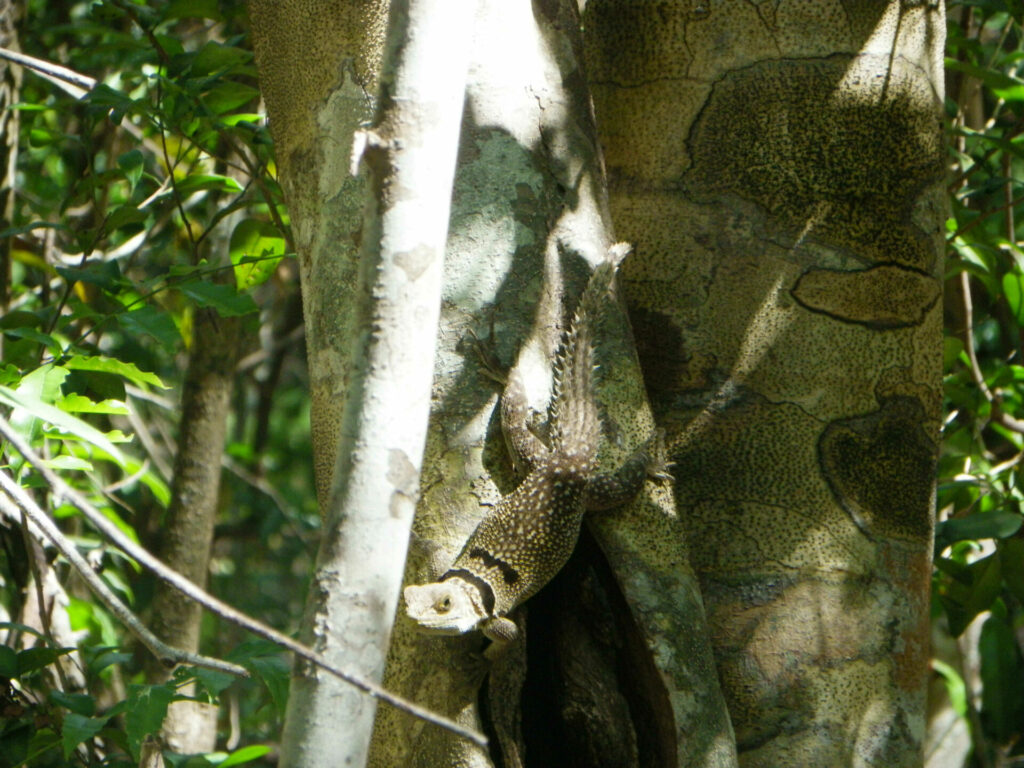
{"x": 779, "y": 168}
{"x": 410, "y": 153}
{"x": 529, "y": 221}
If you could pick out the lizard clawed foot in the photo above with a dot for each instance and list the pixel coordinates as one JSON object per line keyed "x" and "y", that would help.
{"x": 490, "y": 366}
{"x": 659, "y": 464}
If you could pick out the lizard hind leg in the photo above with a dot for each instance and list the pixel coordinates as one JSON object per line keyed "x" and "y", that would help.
{"x": 612, "y": 489}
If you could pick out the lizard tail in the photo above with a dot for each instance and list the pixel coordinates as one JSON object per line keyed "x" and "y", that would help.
{"x": 576, "y": 422}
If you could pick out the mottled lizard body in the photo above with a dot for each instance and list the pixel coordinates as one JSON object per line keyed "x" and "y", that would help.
{"x": 526, "y": 539}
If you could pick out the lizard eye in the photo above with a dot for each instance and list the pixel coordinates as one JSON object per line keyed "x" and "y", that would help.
{"x": 444, "y": 604}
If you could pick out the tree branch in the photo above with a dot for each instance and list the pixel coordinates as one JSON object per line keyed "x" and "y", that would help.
{"x": 16, "y": 501}
{"x": 208, "y": 601}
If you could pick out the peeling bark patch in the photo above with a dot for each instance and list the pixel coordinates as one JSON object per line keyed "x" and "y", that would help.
{"x": 881, "y": 469}
{"x": 884, "y": 297}
{"x": 832, "y": 160}
{"x": 415, "y": 262}
{"x": 404, "y": 477}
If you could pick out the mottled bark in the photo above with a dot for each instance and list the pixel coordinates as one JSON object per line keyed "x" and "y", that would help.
{"x": 779, "y": 169}
{"x": 529, "y": 220}
{"x": 319, "y": 61}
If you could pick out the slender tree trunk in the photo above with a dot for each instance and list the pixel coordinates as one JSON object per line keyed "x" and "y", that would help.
{"x": 10, "y": 88}
{"x": 195, "y": 495}
{"x": 780, "y": 170}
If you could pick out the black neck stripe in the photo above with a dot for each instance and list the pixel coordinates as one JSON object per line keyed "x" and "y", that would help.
{"x": 485, "y": 589}
{"x": 508, "y": 573}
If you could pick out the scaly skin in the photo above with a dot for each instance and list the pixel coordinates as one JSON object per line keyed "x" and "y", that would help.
{"x": 519, "y": 546}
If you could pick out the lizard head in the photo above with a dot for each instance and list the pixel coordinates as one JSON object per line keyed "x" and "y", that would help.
{"x": 449, "y": 607}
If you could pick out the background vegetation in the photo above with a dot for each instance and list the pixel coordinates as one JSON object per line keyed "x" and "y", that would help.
{"x": 130, "y": 196}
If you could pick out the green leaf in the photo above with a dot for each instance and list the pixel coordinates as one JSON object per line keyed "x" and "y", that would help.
{"x": 19, "y": 318}
{"x": 19, "y": 627}
{"x": 124, "y": 215}
{"x": 67, "y": 463}
{"x": 43, "y": 137}
{"x": 63, "y": 421}
{"x": 224, "y": 97}
{"x": 105, "y": 274}
{"x": 214, "y": 57}
{"x": 200, "y": 9}
{"x": 245, "y": 755}
{"x": 43, "y": 384}
{"x": 31, "y": 334}
{"x": 132, "y": 163}
{"x": 146, "y": 711}
{"x": 996, "y": 524}
{"x": 1002, "y": 696}
{"x": 106, "y": 657}
{"x": 256, "y": 248}
{"x": 197, "y": 182}
{"x": 274, "y": 673}
{"x": 223, "y": 298}
{"x": 32, "y": 659}
{"x": 1011, "y": 553}
{"x": 77, "y": 729}
{"x": 1013, "y": 290}
{"x": 20, "y": 230}
{"x": 8, "y": 662}
{"x": 114, "y": 367}
{"x": 105, "y": 97}
{"x": 79, "y": 703}
{"x": 971, "y": 592}
{"x": 955, "y": 686}
{"x": 242, "y": 117}
{"x": 153, "y": 322}
{"x": 75, "y": 403}
{"x": 212, "y": 680}
{"x": 1002, "y": 85}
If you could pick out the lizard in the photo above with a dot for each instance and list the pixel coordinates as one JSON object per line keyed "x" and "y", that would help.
{"x": 523, "y": 541}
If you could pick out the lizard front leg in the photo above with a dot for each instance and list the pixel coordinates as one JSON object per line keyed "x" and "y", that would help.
{"x": 502, "y": 632}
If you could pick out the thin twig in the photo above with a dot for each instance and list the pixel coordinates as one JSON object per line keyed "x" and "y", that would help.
{"x": 63, "y": 76}
{"x": 222, "y": 609}
{"x": 998, "y": 414}
{"x": 16, "y": 502}
{"x": 983, "y": 216}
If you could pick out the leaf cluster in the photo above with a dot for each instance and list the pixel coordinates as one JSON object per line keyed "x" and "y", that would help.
{"x": 140, "y": 200}
{"x": 979, "y": 547}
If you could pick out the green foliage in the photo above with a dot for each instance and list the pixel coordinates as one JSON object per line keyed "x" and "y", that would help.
{"x": 151, "y": 197}
{"x": 979, "y": 546}
{"x": 140, "y": 202}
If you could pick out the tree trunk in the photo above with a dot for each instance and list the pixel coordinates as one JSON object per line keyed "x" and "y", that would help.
{"x": 780, "y": 170}
{"x": 319, "y": 61}
{"x": 10, "y": 90}
{"x": 187, "y": 533}
{"x": 780, "y": 174}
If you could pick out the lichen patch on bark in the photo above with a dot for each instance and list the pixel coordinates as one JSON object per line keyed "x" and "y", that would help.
{"x": 882, "y": 297}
